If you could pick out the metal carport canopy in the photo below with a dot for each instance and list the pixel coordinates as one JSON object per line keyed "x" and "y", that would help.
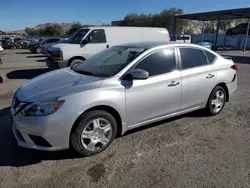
{"x": 218, "y": 15}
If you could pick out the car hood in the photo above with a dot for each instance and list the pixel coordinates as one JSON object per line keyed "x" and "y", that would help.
{"x": 55, "y": 84}
{"x": 63, "y": 46}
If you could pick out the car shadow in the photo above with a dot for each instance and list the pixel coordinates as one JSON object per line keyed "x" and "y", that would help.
{"x": 198, "y": 113}
{"x": 24, "y": 53}
{"x": 36, "y": 56}
{"x": 26, "y": 73}
{"x": 41, "y": 60}
{"x": 16, "y": 156}
{"x": 13, "y": 155}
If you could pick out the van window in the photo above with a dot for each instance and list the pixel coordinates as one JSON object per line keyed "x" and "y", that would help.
{"x": 97, "y": 36}
{"x": 78, "y": 36}
{"x": 183, "y": 38}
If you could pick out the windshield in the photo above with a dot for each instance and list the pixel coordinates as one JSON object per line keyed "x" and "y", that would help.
{"x": 77, "y": 36}
{"x": 109, "y": 62}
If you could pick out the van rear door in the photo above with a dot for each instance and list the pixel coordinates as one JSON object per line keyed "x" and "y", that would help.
{"x": 97, "y": 41}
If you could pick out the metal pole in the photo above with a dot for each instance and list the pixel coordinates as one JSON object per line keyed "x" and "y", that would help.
{"x": 202, "y": 31}
{"x": 217, "y": 33}
{"x": 245, "y": 42}
{"x": 174, "y": 27}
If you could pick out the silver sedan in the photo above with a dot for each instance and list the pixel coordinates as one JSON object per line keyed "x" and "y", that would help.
{"x": 87, "y": 105}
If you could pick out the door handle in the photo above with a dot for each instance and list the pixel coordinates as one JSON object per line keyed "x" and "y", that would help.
{"x": 210, "y": 76}
{"x": 173, "y": 83}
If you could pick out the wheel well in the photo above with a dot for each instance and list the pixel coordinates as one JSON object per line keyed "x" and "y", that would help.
{"x": 76, "y": 57}
{"x": 224, "y": 86}
{"x": 109, "y": 109}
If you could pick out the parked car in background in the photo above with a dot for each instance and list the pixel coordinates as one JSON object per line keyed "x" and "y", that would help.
{"x": 45, "y": 47}
{"x": 119, "y": 89}
{"x": 206, "y": 44}
{"x": 181, "y": 38}
{"x": 38, "y": 46}
{"x": 88, "y": 41}
{"x": 238, "y": 30}
{"x": 1, "y": 48}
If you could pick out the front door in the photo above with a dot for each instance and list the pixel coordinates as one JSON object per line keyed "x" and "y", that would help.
{"x": 158, "y": 95}
{"x": 96, "y": 42}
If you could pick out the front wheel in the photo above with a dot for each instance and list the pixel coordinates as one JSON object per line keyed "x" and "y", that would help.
{"x": 216, "y": 101}
{"x": 75, "y": 62}
{"x": 94, "y": 132}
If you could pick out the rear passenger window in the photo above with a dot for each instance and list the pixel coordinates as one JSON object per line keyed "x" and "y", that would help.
{"x": 159, "y": 62}
{"x": 211, "y": 57}
{"x": 192, "y": 58}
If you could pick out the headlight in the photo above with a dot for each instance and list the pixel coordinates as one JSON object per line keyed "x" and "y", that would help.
{"x": 42, "y": 109}
{"x": 57, "y": 55}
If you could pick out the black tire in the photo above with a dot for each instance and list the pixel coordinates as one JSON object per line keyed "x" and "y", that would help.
{"x": 38, "y": 50}
{"x": 75, "y": 62}
{"x": 209, "y": 107}
{"x": 85, "y": 119}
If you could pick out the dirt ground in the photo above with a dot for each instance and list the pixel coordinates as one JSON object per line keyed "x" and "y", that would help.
{"x": 188, "y": 151}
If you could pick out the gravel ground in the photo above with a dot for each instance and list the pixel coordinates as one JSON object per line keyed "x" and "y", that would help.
{"x": 188, "y": 151}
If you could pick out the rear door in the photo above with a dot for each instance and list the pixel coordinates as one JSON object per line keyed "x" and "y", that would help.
{"x": 198, "y": 77}
{"x": 97, "y": 42}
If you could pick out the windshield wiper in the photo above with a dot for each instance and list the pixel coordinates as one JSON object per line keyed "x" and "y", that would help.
{"x": 84, "y": 72}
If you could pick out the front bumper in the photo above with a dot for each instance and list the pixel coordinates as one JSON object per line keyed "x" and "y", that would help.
{"x": 48, "y": 133}
{"x": 56, "y": 64}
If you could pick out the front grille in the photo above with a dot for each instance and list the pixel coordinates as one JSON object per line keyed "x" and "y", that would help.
{"x": 49, "y": 52}
{"x": 40, "y": 141}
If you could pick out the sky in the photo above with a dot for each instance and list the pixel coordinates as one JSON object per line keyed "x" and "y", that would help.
{"x": 18, "y": 14}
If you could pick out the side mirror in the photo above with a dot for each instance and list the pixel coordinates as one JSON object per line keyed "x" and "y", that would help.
{"x": 87, "y": 40}
{"x": 139, "y": 74}
{"x": 84, "y": 41}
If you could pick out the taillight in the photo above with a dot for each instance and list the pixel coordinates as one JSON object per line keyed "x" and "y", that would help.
{"x": 235, "y": 67}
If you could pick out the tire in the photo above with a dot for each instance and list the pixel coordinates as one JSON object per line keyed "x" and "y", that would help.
{"x": 38, "y": 50}
{"x": 215, "y": 106}
{"x": 90, "y": 145}
{"x": 75, "y": 62}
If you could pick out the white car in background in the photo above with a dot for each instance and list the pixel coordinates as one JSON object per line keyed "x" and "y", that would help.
{"x": 1, "y": 48}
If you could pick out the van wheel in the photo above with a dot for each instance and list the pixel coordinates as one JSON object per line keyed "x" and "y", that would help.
{"x": 76, "y": 62}
{"x": 94, "y": 132}
{"x": 216, "y": 101}
{"x": 38, "y": 50}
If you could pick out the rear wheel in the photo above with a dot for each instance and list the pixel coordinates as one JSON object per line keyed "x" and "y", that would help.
{"x": 216, "y": 101}
{"x": 94, "y": 132}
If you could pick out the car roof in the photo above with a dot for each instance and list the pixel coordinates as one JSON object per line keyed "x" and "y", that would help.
{"x": 153, "y": 44}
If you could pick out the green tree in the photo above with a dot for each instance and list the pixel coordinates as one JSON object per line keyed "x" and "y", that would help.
{"x": 76, "y": 26}
{"x": 163, "y": 19}
{"x": 53, "y": 30}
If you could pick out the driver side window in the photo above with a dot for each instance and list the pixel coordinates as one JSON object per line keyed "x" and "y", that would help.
{"x": 97, "y": 36}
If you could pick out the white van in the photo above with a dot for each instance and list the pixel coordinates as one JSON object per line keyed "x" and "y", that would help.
{"x": 181, "y": 38}
{"x": 88, "y": 41}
